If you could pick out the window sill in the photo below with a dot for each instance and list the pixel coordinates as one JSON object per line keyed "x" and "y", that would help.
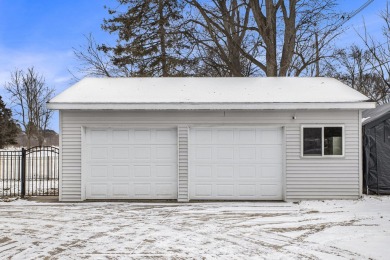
{"x": 323, "y": 157}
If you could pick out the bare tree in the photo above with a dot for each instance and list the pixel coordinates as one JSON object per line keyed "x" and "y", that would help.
{"x": 94, "y": 62}
{"x": 219, "y": 32}
{"x": 30, "y": 93}
{"x": 380, "y": 53}
{"x": 217, "y": 37}
{"x": 318, "y": 25}
{"x": 355, "y": 66}
{"x": 279, "y": 38}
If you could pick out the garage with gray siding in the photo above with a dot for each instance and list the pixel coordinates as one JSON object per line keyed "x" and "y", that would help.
{"x": 190, "y": 139}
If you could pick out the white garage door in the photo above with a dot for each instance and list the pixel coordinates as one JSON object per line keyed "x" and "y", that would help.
{"x": 236, "y": 164}
{"x": 131, "y": 164}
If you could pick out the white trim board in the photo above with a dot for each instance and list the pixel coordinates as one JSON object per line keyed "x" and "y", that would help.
{"x": 209, "y": 106}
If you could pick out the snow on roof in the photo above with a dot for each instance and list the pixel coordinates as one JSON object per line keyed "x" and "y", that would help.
{"x": 204, "y": 93}
{"x": 372, "y": 115}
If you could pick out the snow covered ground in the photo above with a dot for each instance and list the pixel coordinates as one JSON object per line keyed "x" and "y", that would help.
{"x": 226, "y": 230}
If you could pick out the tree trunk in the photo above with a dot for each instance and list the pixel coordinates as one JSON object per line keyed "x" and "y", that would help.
{"x": 164, "y": 67}
{"x": 290, "y": 34}
{"x": 231, "y": 25}
{"x": 266, "y": 25}
{"x": 270, "y": 39}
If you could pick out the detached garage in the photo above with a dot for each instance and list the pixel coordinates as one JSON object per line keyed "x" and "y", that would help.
{"x": 210, "y": 139}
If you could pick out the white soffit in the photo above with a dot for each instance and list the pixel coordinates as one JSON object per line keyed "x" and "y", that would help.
{"x": 209, "y": 93}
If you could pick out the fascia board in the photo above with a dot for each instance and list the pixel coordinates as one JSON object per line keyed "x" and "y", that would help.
{"x": 209, "y": 106}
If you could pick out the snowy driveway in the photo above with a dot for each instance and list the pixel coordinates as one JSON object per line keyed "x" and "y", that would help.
{"x": 239, "y": 230}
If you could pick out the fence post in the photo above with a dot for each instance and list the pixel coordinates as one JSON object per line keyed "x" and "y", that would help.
{"x": 23, "y": 174}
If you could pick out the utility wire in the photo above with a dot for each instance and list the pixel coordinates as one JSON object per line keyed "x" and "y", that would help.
{"x": 350, "y": 15}
{"x": 344, "y": 20}
{"x": 376, "y": 66}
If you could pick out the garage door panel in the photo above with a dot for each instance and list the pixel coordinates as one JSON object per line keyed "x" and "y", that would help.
{"x": 164, "y": 189}
{"x": 120, "y": 153}
{"x": 224, "y": 153}
{"x": 142, "y": 190}
{"x": 271, "y": 171}
{"x": 142, "y": 171}
{"x": 203, "y": 190}
{"x": 203, "y": 171}
{"x": 142, "y": 136}
{"x": 223, "y": 171}
{"x": 223, "y": 136}
{"x": 269, "y": 136}
{"x": 247, "y": 172}
{"x": 99, "y": 171}
{"x": 121, "y": 172}
{"x": 203, "y": 153}
{"x": 142, "y": 152}
{"x": 164, "y": 171}
{"x": 246, "y": 190}
{"x": 164, "y": 136}
{"x": 120, "y": 190}
{"x": 269, "y": 190}
{"x": 98, "y": 137}
{"x": 98, "y": 190}
{"x": 271, "y": 152}
{"x": 203, "y": 136}
{"x": 235, "y": 163}
{"x": 165, "y": 152}
{"x": 120, "y": 137}
{"x": 247, "y": 136}
{"x": 224, "y": 190}
{"x": 247, "y": 153}
{"x": 133, "y": 164}
{"x": 99, "y": 153}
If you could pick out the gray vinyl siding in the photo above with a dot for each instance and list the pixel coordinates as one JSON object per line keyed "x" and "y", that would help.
{"x": 182, "y": 132}
{"x": 305, "y": 178}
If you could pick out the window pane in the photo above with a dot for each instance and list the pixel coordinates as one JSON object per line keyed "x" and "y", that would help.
{"x": 333, "y": 141}
{"x": 312, "y": 143}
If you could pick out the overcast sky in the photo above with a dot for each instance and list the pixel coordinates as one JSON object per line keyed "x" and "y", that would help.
{"x": 42, "y": 33}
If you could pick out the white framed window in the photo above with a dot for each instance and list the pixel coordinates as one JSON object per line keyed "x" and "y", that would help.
{"x": 322, "y": 140}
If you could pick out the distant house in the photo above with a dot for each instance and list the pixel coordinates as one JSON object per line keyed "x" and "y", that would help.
{"x": 192, "y": 139}
{"x": 376, "y": 134}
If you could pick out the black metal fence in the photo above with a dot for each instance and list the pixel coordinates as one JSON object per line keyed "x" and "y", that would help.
{"x": 31, "y": 172}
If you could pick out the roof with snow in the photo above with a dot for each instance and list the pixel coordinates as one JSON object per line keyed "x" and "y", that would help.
{"x": 376, "y": 114}
{"x": 210, "y": 93}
